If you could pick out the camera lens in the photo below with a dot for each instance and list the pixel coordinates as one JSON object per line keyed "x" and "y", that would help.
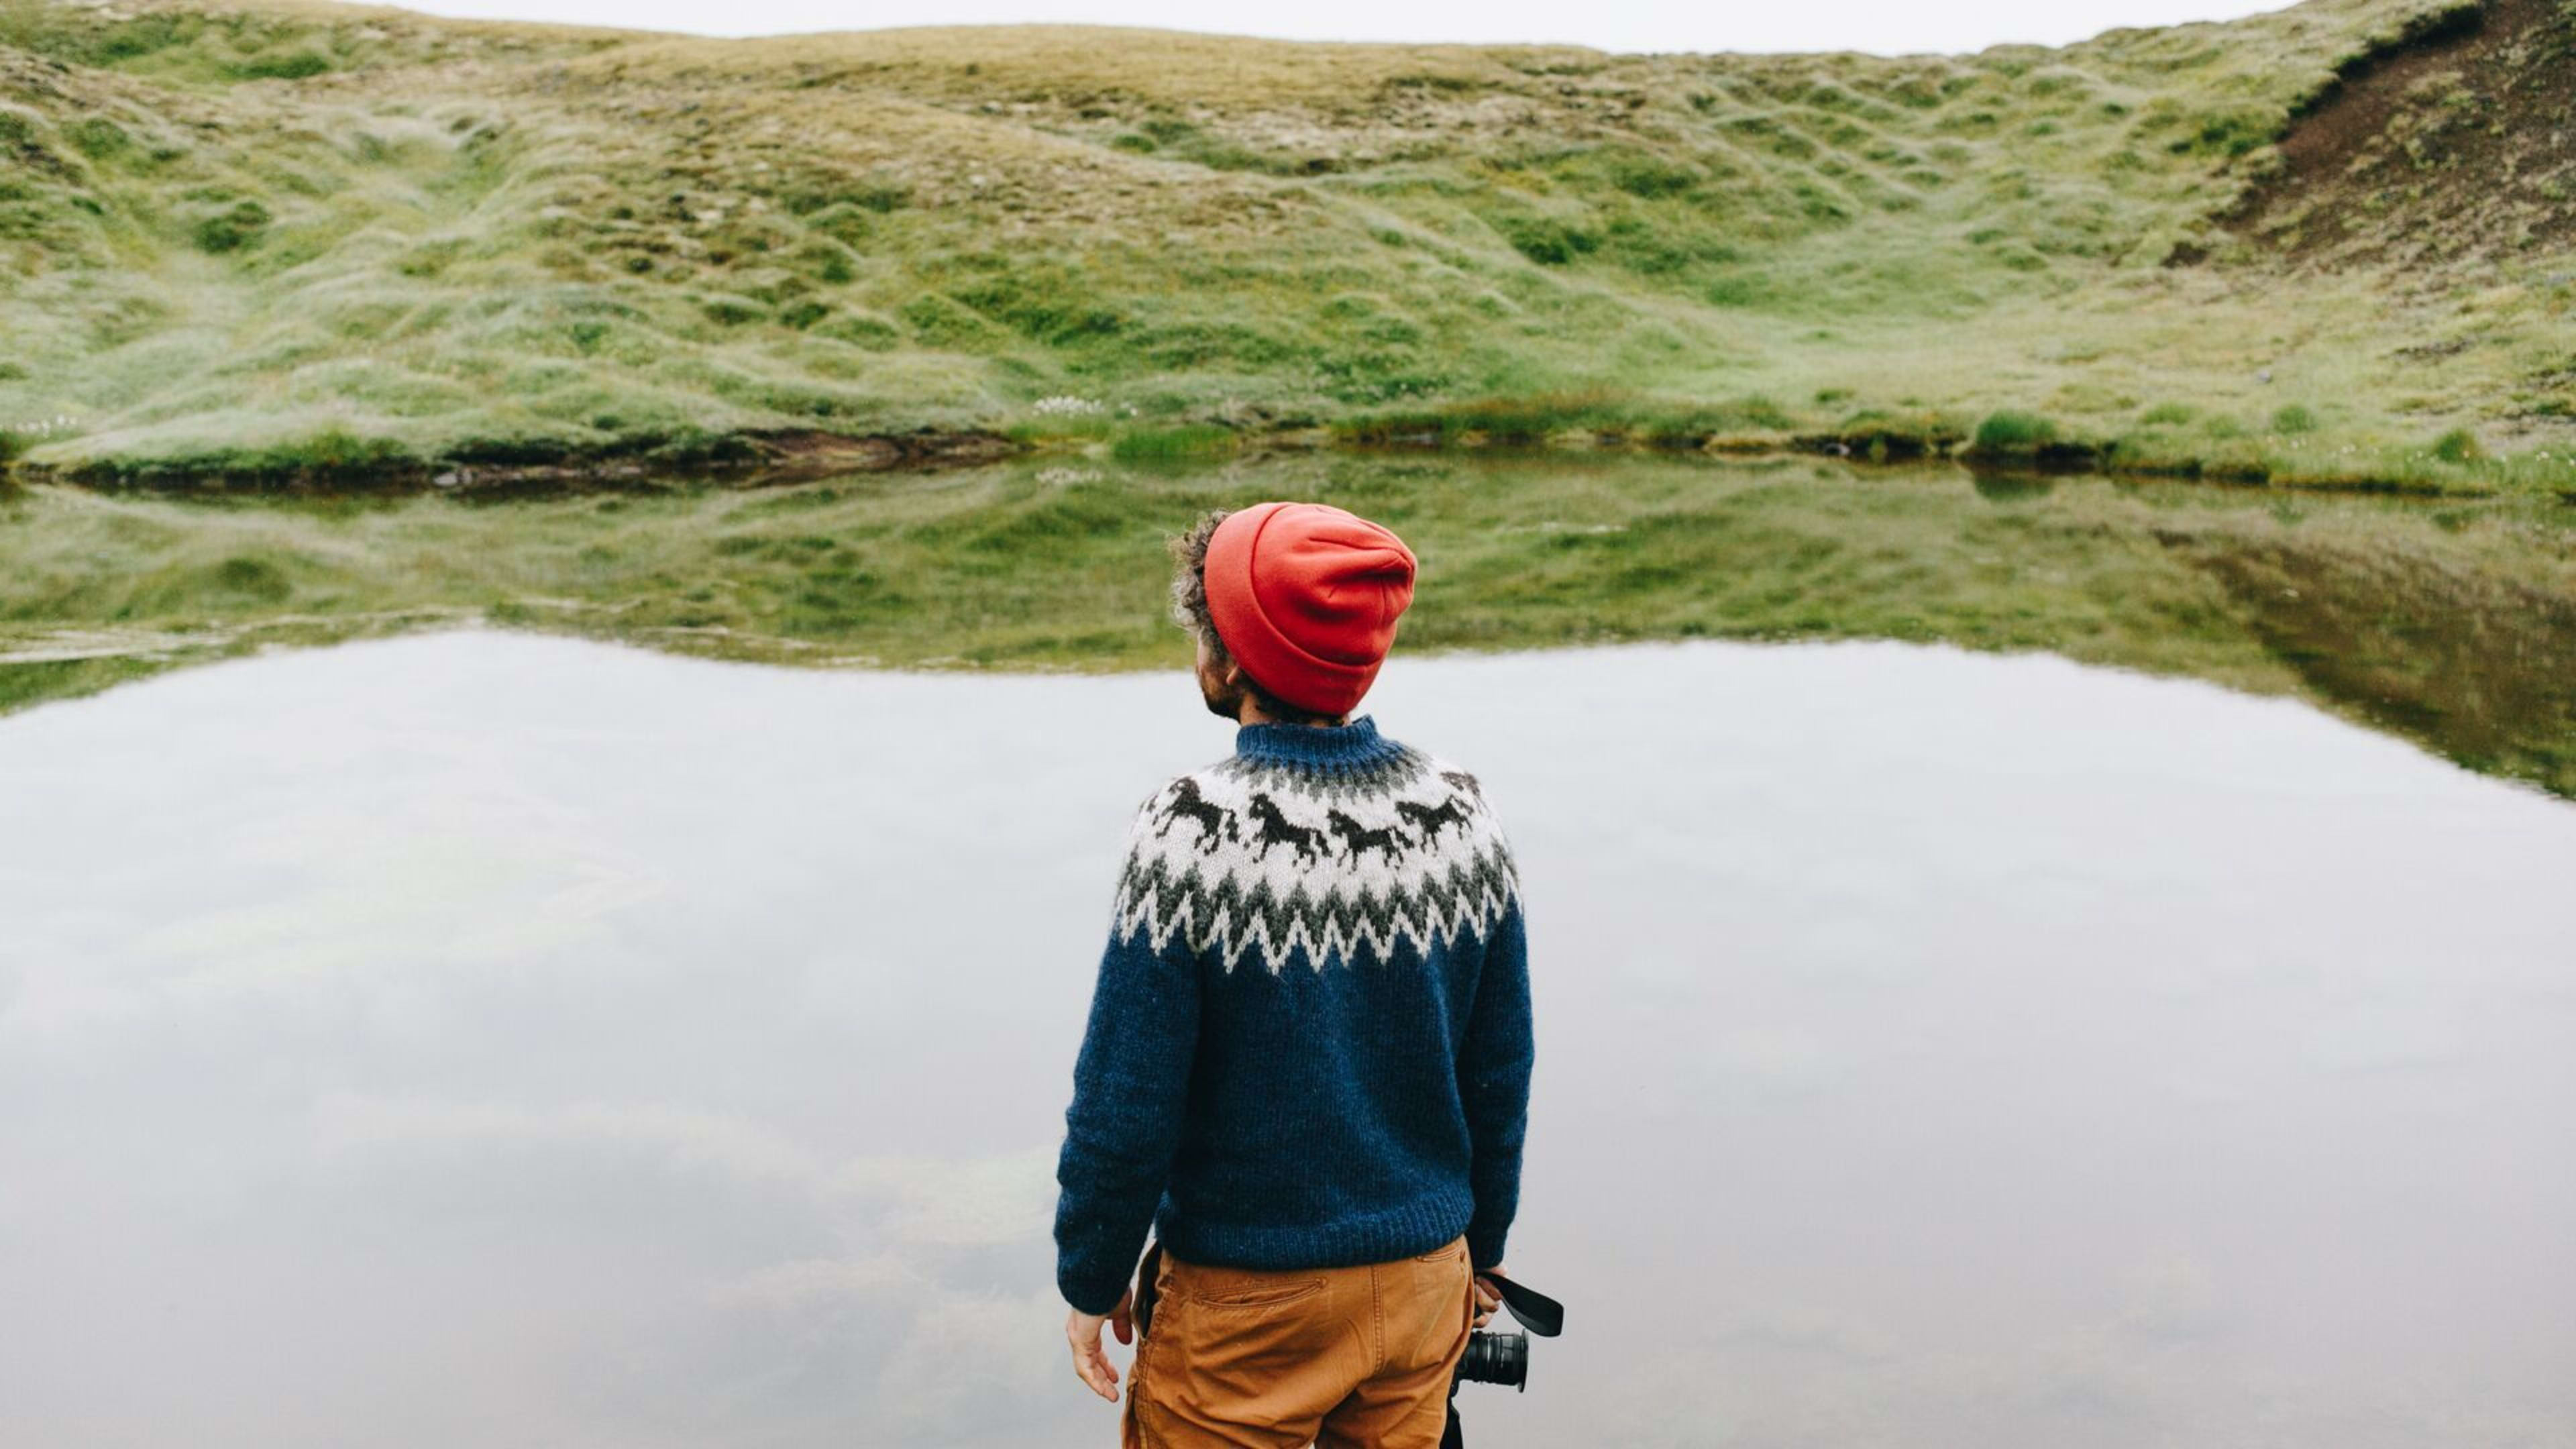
{"x": 1496, "y": 1358}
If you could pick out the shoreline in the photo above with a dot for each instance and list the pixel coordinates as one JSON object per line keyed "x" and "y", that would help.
{"x": 766, "y": 457}
{"x": 774, "y": 455}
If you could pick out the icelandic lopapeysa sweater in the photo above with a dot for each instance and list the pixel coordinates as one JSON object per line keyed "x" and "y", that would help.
{"x": 1310, "y": 1042}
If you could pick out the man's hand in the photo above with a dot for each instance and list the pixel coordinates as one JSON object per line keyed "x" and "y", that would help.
{"x": 1487, "y": 1300}
{"x": 1090, "y": 1363}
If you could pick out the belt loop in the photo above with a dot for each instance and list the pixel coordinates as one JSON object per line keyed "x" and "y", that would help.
{"x": 1377, "y": 1316}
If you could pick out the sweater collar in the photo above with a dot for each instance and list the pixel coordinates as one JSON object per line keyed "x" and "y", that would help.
{"x": 1357, "y": 742}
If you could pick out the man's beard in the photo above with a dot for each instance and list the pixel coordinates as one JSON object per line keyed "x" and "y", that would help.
{"x": 1222, "y": 702}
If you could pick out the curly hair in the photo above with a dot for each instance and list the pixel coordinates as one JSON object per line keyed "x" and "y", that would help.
{"x": 1190, "y": 611}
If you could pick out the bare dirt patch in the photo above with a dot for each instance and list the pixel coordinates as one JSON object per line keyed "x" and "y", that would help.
{"x": 2462, "y": 142}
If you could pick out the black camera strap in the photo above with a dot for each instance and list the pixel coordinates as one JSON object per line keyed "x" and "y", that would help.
{"x": 1536, "y": 1311}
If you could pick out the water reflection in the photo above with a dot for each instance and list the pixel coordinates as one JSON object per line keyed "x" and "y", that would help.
{"x": 481, "y": 1037}
{"x": 2451, "y": 623}
{"x": 2013, "y": 487}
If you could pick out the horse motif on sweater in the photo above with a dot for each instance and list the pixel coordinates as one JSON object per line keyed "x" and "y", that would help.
{"x": 1265, "y": 859}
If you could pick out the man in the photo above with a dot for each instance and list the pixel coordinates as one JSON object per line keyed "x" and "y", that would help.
{"x": 1308, "y": 1058}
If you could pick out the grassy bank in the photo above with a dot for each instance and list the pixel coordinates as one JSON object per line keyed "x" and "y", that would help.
{"x": 2169, "y": 440}
{"x": 258, "y": 241}
{"x": 2453, "y": 624}
{"x": 2453, "y": 465}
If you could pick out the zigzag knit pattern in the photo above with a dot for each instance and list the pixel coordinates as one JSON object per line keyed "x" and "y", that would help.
{"x": 1309, "y": 1044}
{"x": 1255, "y": 857}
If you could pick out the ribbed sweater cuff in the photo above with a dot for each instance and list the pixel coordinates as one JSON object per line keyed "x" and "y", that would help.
{"x": 1092, "y": 1291}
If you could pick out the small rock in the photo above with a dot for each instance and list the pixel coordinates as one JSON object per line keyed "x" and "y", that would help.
{"x": 445, "y": 480}
{"x": 2264, "y": 376}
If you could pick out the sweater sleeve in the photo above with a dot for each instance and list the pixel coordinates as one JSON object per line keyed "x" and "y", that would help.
{"x": 1493, "y": 1083}
{"x": 1130, "y": 1082}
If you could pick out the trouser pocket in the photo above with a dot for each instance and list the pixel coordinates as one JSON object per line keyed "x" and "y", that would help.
{"x": 1431, "y": 1304}
{"x": 1247, "y": 1358}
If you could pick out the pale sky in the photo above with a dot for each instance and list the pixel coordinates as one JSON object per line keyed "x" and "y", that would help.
{"x": 1886, "y": 27}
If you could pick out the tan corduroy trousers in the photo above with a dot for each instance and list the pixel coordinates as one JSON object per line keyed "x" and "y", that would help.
{"x": 1336, "y": 1357}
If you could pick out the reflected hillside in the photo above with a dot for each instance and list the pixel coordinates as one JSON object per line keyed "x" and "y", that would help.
{"x": 2453, "y": 625}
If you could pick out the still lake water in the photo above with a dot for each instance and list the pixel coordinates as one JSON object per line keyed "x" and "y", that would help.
{"x": 488, "y": 1039}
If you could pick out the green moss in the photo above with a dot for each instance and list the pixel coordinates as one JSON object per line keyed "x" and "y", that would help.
{"x": 2013, "y": 432}
{"x": 943, "y": 321}
{"x": 1549, "y": 241}
{"x": 1882, "y": 436}
{"x": 2230, "y": 133}
{"x": 293, "y": 65}
{"x": 233, "y": 228}
{"x": 733, "y": 311}
{"x": 2458, "y": 446}
{"x": 99, "y": 138}
{"x": 1694, "y": 427}
{"x": 1512, "y": 421}
{"x": 1157, "y": 444}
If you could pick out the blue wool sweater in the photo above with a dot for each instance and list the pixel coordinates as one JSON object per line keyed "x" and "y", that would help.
{"x": 1310, "y": 1044}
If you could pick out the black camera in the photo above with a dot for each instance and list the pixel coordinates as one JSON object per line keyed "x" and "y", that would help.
{"x": 1495, "y": 1358}
{"x": 1503, "y": 1358}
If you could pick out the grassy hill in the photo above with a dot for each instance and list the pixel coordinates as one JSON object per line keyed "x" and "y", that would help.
{"x": 2326, "y": 245}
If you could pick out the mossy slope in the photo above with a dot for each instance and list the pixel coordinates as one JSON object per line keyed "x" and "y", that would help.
{"x": 261, "y": 237}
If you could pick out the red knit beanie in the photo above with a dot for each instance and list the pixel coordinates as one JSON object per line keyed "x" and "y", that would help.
{"x": 1305, "y": 597}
